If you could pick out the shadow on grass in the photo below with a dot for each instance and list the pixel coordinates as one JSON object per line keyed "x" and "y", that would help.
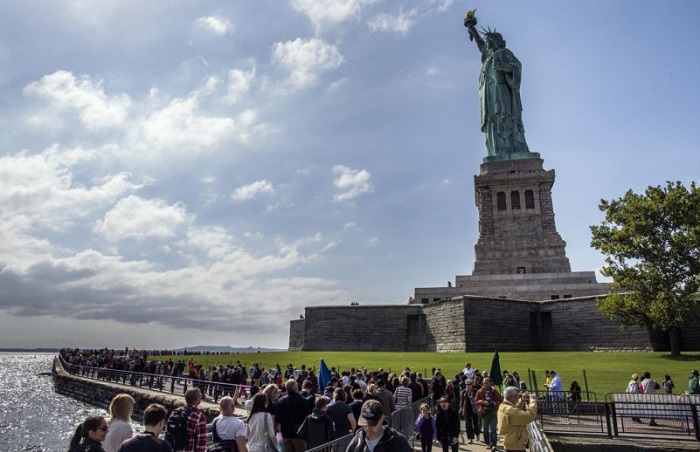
{"x": 683, "y": 357}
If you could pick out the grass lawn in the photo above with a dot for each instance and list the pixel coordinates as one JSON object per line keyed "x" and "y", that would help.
{"x": 605, "y": 371}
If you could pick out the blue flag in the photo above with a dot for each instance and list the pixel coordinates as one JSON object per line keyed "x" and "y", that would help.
{"x": 324, "y": 376}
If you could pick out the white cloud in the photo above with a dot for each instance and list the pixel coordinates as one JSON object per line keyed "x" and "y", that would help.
{"x": 39, "y": 191}
{"x": 182, "y": 126}
{"x": 239, "y": 83}
{"x": 217, "y": 24}
{"x": 445, "y": 5}
{"x": 401, "y": 23}
{"x": 95, "y": 109}
{"x": 351, "y": 183}
{"x": 252, "y": 190}
{"x": 306, "y": 60}
{"x": 134, "y": 217}
{"x": 329, "y": 12}
{"x": 373, "y": 241}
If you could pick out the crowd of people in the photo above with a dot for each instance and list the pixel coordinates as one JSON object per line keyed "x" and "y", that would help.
{"x": 286, "y": 409}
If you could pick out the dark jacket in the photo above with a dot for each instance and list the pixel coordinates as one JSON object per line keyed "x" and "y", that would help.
{"x": 88, "y": 445}
{"x": 391, "y": 441}
{"x": 317, "y": 429}
{"x": 292, "y": 409}
{"x": 447, "y": 424}
{"x": 145, "y": 443}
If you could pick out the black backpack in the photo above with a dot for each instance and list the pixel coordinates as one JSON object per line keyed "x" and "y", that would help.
{"x": 220, "y": 445}
{"x": 176, "y": 428}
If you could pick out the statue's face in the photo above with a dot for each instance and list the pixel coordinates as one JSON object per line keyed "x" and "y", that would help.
{"x": 492, "y": 42}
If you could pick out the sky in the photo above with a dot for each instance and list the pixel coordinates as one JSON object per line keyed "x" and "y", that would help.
{"x": 183, "y": 173}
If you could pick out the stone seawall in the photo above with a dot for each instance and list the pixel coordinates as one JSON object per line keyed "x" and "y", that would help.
{"x": 100, "y": 393}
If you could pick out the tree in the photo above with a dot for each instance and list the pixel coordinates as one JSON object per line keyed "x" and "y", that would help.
{"x": 652, "y": 247}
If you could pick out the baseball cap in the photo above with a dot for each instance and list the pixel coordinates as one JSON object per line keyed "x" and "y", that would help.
{"x": 371, "y": 414}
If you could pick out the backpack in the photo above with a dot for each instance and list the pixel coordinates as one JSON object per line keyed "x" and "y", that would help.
{"x": 221, "y": 445}
{"x": 176, "y": 428}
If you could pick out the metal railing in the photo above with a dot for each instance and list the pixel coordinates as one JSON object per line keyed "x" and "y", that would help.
{"x": 157, "y": 382}
{"x": 623, "y": 414}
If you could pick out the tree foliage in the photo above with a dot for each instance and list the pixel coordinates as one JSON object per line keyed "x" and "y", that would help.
{"x": 652, "y": 246}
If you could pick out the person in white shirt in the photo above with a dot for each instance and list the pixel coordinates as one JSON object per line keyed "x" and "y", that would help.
{"x": 228, "y": 426}
{"x": 120, "y": 409}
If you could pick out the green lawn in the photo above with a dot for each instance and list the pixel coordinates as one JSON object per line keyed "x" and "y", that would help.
{"x": 605, "y": 371}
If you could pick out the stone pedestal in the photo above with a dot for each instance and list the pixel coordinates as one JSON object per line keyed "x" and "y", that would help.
{"x": 517, "y": 234}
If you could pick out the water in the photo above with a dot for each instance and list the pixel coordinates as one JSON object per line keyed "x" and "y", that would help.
{"x": 32, "y": 416}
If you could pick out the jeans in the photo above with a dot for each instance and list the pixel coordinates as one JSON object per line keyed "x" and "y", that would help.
{"x": 426, "y": 443}
{"x": 488, "y": 427}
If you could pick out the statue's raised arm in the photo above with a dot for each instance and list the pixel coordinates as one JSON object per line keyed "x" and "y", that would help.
{"x": 499, "y": 95}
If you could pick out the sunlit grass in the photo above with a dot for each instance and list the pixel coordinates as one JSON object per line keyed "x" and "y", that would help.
{"x": 605, "y": 371}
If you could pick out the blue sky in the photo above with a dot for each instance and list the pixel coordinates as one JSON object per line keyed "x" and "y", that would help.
{"x": 183, "y": 173}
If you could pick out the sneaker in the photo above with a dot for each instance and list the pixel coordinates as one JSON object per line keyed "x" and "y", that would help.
{"x": 653, "y": 424}
{"x": 470, "y": 442}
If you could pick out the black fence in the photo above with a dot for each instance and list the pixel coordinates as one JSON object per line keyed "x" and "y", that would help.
{"x": 622, "y": 414}
{"x": 157, "y": 382}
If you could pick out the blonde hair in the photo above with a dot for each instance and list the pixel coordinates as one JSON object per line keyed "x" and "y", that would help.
{"x": 270, "y": 390}
{"x": 121, "y": 407}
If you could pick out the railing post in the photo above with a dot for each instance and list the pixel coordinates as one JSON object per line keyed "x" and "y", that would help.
{"x": 696, "y": 423}
{"x": 172, "y": 385}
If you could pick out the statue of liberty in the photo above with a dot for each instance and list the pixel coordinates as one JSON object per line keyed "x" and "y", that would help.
{"x": 499, "y": 95}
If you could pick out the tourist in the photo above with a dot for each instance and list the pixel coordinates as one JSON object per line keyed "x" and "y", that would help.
{"x": 649, "y": 386}
{"x": 468, "y": 371}
{"x": 403, "y": 394}
{"x": 317, "y": 428}
{"x": 448, "y": 426}
{"x": 371, "y": 394}
{"x": 668, "y": 384}
{"x": 341, "y": 414}
{"x": 469, "y": 411}
{"x": 260, "y": 427}
{"x": 438, "y": 386}
{"x": 694, "y": 383}
{"x": 547, "y": 379}
{"x": 196, "y": 434}
{"x": 574, "y": 396}
{"x": 488, "y": 399}
{"x": 272, "y": 392}
{"x": 227, "y": 428}
{"x": 513, "y": 416}
{"x": 415, "y": 387}
{"x": 149, "y": 441}
{"x": 385, "y": 396}
{"x": 375, "y": 437}
{"x": 356, "y": 404}
{"x": 120, "y": 410}
{"x": 292, "y": 410}
{"x": 426, "y": 428}
{"x": 633, "y": 388}
{"x": 89, "y": 435}
{"x": 633, "y": 385}
{"x": 307, "y": 393}
{"x": 249, "y": 402}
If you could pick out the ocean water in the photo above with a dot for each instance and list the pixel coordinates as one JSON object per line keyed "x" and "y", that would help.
{"x": 32, "y": 416}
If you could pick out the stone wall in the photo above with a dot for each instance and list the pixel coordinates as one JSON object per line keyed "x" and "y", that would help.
{"x": 359, "y": 328}
{"x": 445, "y": 322}
{"x": 498, "y": 324}
{"x": 296, "y": 334}
{"x": 577, "y": 324}
{"x": 472, "y": 323}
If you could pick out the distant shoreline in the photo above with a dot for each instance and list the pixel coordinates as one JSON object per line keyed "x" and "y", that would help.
{"x": 29, "y": 350}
